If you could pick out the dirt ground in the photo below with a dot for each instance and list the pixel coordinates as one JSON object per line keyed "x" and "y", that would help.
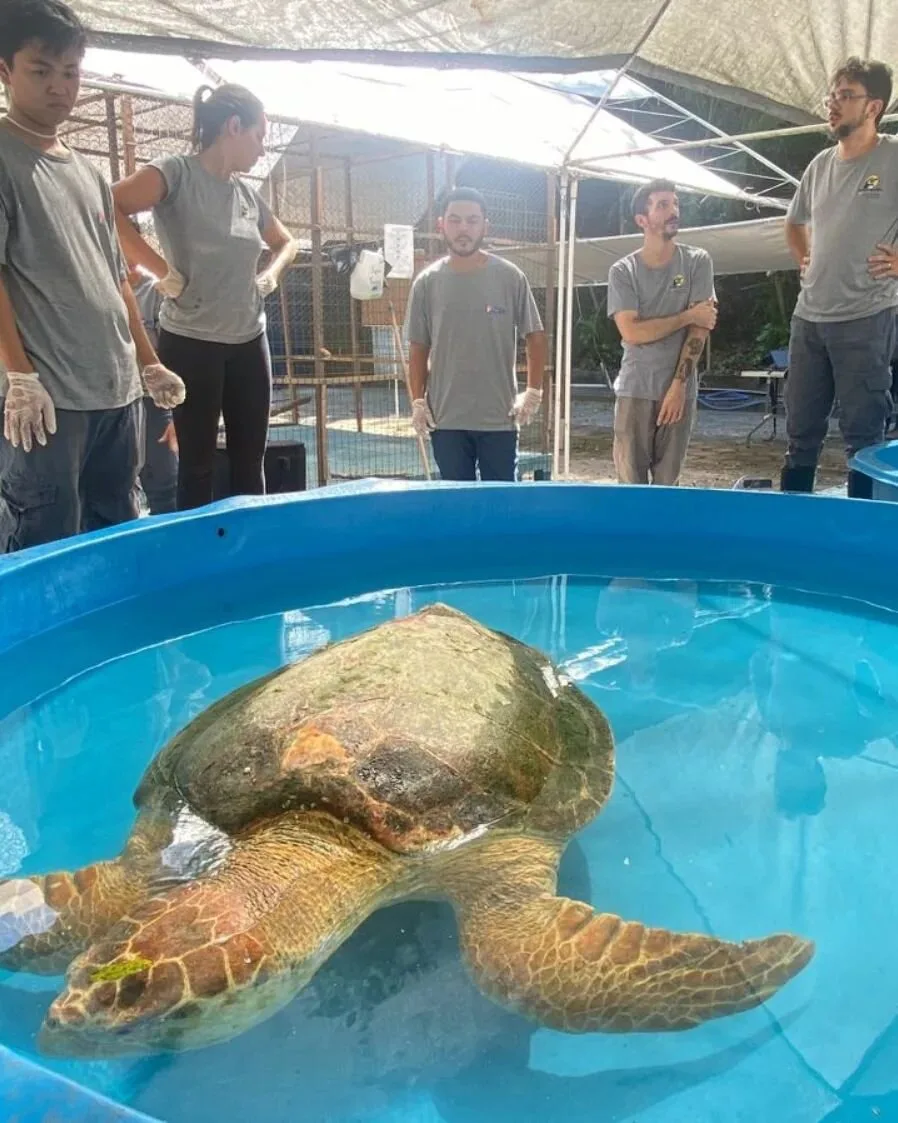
{"x": 718, "y": 454}
{"x": 711, "y": 462}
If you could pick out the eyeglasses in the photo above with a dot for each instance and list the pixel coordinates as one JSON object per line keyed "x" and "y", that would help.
{"x": 843, "y": 96}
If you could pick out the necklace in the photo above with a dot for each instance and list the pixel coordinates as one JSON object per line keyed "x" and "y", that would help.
{"x": 33, "y": 132}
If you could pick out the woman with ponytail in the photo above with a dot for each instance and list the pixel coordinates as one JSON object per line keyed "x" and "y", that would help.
{"x": 213, "y": 229}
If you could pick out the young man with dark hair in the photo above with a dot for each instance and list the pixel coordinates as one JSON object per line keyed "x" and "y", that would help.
{"x": 841, "y": 229}
{"x": 71, "y": 339}
{"x": 466, "y": 313}
{"x": 662, "y": 300}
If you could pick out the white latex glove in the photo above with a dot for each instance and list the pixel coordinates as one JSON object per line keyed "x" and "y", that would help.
{"x": 172, "y": 284}
{"x": 164, "y": 386}
{"x": 28, "y": 412}
{"x": 526, "y": 405}
{"x": 422, "y": 419}
{"x": 266, "y": 283}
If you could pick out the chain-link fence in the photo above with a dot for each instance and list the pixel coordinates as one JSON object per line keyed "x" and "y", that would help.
{"x": 339, "y": 367}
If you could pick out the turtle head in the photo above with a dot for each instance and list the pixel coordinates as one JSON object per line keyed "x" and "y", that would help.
{"x": 144, "y": 995}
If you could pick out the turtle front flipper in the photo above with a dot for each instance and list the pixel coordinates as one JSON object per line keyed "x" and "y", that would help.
{"x": 46, "y": 920}
{"x": 567, "y": 967}
{"x": 201, "y": 962}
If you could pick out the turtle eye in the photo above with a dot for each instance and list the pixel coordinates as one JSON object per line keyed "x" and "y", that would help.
{"x": 188, "y": 1010}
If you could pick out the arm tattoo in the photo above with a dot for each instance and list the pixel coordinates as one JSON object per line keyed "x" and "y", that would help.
{"x": 692, "y": 348}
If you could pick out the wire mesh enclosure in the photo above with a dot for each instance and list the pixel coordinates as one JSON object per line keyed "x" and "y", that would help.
{"x": 339, "y": 365}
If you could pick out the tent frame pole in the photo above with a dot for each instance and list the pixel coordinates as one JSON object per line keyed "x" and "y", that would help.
{"x": 567, "y": 373}
{"x": 786, "y": 177}
{"x": 551, "y": 324}
{"x": 564, "y": 187}
{"x": 682, "y": 145}
{"x": 619, "y": 73}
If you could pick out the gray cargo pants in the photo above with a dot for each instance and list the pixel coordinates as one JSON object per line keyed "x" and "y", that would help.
{"x": 848, "y": 361}
{"x": 83, "y": 478}
{"x": 643, "y": 449}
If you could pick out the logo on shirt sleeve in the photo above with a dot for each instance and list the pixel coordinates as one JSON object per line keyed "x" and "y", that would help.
{"x": 871, "y": 186}
{"x": 678, "y": 281}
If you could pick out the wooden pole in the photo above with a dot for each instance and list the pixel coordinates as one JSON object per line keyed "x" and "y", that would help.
{"x": 397, "y": 343}
{"x": 353, "y": 310}
{"x": 115, "y": 165}
{"x": 317, "y": 207}
{"x": 431, "y": 204}
{"x": 128, "y": 137}
{"x": 290, "y": 369}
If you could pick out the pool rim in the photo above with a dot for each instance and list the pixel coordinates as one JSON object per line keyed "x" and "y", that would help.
{"x": 818, "y": 544}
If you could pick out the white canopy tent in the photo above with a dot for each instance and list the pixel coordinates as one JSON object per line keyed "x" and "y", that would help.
{"x": 476, "y": 113}
{"x": 739, "y": 247}
{"x": 776, "y": 54}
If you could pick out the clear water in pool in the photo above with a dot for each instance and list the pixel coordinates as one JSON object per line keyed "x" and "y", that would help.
{"x": 757, "y": 780}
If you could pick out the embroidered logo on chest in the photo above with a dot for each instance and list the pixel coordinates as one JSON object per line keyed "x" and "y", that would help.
{"x": 871, "y": 186}
{"x": 678, "y": 281}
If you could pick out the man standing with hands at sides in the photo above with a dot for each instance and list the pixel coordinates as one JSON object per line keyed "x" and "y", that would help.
{"x": 466, "y": 313}
{"x": 662, "y": 300}
{"x": 71, "y": 339}
{"x": 840, "y": 228}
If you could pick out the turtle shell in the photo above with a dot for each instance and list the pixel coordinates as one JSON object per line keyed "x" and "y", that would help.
{"x": 422, "y": 732}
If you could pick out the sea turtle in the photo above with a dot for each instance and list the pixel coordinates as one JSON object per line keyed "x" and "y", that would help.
{"x": 429, "y": 757}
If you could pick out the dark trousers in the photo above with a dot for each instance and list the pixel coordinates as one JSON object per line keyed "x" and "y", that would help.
{"x": 848, "y": 361}
{"x": 460, "y": 452}
{"x": 83, "y": 479}
{"x": 222, "y": 379}
{"x": 159, "y": 473}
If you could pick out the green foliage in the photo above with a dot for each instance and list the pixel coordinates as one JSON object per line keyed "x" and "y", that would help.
{"x": 755, "y": 312}
{"x": 596, "y": 340}
{"x": 772, "y": 337}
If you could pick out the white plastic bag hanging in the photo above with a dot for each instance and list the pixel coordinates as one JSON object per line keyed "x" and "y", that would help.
{"x": 367, "y": 280}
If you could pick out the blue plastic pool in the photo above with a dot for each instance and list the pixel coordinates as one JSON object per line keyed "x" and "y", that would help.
{"x": 880, "y": 463}
{"x": 744, "y": 647}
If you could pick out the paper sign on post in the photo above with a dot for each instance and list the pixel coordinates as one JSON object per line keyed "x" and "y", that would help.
{"x": 399, "y": 251}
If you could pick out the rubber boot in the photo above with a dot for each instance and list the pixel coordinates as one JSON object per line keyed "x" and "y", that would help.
{"x": 860, "y": 486}
{"x": 797, "y": 479}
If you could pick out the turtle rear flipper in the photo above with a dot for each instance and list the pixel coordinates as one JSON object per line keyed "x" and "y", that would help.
{"x": 46, "y": 920}
{"x": 567, "y": 967}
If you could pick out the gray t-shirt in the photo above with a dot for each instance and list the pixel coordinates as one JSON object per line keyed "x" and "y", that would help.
{"x": 63, "y": 270}
{"x": 472, "y": 322}
{"x": 849, "y": 206}
{"x": 647, "y": 369}
{"x": 211, "y": 232}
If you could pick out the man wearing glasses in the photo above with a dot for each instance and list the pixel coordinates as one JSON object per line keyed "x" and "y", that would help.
{"x": 841, "y": 229}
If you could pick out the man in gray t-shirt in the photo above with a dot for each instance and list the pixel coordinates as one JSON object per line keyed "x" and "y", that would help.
{"x": 662, "y": 300}
{"x": 465, "y": 316}
{"x": 71, "y": 341}
{"x": 841, "y": 228}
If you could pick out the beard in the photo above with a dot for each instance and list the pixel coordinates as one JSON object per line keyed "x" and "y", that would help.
{"x": 465, "y": 247}
{"x": 842, "y": 129}
{"x": 670, "y": 230}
